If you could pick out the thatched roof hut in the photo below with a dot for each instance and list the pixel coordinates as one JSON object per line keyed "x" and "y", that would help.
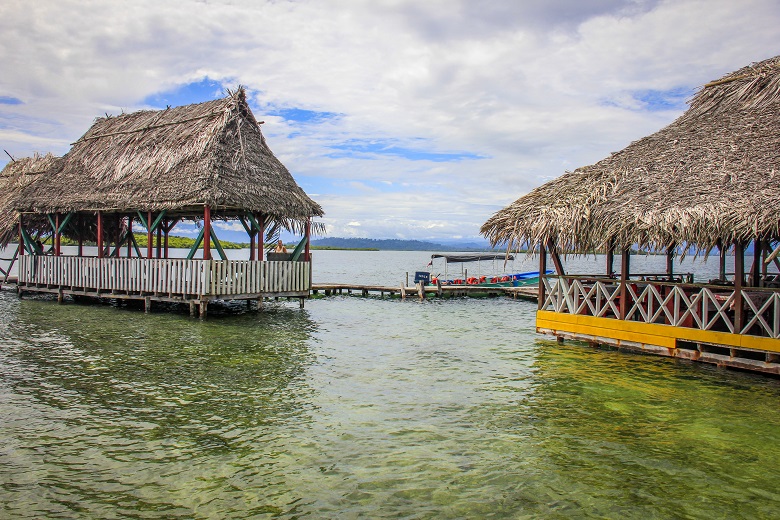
{"x": 16, "y": 175}
{"x": 709, "y": 176}
{"x": 178, "y": 160}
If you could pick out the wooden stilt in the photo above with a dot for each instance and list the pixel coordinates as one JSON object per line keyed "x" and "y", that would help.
{"x": 192, "y": 308}
{"x": 147, "y": 304}
{"x": 204, "y": 308}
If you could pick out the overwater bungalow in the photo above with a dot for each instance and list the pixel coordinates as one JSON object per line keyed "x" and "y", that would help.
{"x": 202, "y": 163}
{"x": 707, "y": 182}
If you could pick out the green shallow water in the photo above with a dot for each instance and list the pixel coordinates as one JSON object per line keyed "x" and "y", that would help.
{"x": 366, "y": 408}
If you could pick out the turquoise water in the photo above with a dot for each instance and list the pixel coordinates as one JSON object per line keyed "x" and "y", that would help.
{"x": 366, "y": 408}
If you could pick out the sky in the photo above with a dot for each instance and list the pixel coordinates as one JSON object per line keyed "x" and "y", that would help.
{"x": 403, "y": 119}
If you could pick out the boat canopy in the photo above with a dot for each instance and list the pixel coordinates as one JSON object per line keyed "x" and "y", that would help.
{"x": 473, "y": 258}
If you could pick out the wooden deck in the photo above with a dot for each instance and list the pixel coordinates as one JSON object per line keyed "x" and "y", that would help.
{"x": 172, "y": 280}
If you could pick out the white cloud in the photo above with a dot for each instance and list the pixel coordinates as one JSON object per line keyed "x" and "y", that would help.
{"x": 536, "y": 87}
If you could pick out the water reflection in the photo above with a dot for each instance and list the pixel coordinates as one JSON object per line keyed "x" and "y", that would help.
{"x": 105, "y": 408}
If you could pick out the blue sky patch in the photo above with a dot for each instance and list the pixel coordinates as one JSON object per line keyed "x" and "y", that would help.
{"x": 363, "y": 149}
{"x": 198, "y": 92}
{"x": 657, "y": 100}
{"x": 8, "y": 100}
{"x": 300, "y": 115}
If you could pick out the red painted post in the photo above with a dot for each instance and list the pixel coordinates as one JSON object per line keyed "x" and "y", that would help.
{"x": 100, "y": 233}
{"x": 159, "y": 241}
{"x": 206, "y": 233}
{"x": 252, "y": 235}
{"x": 308, "y": 240}
{"x": 57, "y": 234}
{"x": 149, "y": 235}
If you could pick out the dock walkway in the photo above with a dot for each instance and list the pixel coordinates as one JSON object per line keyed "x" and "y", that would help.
{"x": 423, "y": 291}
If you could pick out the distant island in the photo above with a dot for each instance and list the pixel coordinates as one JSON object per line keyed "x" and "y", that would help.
{"x": 392, "y": 244}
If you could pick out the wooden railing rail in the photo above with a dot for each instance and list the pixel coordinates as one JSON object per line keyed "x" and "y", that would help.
{"x": 198, "y": 278}
{"x": 700, "y": 306}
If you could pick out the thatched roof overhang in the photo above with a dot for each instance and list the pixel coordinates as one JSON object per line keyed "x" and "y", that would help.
{"x": 14, "y": 177}
{"x": 179, "y": 160}
{"x": 709, "y": 176}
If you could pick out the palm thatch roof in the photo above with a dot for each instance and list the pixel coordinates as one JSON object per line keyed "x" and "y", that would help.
{"x": 710, "y": 175}
{"x": 16, "y": 175}
{"x": 179, "y": 160}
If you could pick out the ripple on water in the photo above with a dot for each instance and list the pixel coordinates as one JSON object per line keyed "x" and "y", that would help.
{"x": 366, "y": 408}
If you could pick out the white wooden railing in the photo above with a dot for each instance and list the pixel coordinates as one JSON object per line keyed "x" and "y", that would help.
{"x": 704, "y": 307}
{"x": 166, "y": 276}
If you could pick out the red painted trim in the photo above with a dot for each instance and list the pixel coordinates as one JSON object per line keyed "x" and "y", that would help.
{"x": 149, "y": 235}
{"x": 100, "y": 233}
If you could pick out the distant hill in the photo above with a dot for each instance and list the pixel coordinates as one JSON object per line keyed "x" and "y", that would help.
{"x": 394, "y": 244}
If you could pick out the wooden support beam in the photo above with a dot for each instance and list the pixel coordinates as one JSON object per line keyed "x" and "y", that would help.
{"x": 100, "y": 233}
{"x": 739, "y": 281}
{"x": 307, "y": 252}
{"x": 206, "y": 239}
{"x": 159, "y": 241}
{"x": 610, "y": 257}
{"x": 542, "y": 275}
{"x": 260, "y": 236}
{"x": 555, "y": 258}
{"x": 670, "y": 261}
{"x": 625, "y": 264}
{"x": 755, "y": 268}
{"x": 129, "y": 234}
{"x": 722, "y": 266}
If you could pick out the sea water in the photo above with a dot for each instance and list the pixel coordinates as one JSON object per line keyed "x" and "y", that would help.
{"x": 368, "y": 408}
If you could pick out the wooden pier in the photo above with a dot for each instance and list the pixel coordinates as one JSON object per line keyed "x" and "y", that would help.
{"x": 425, "y": 291}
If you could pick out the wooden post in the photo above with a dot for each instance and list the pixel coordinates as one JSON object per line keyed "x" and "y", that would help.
{"x": 610, "y": 257}
{"x": 149, "y": 235}
{"x": 542, "y": 270}
{"x": 765, "y": 250}
{"x": 57, "y": 234}
{"x": 625, "y": 261}
{"x": 167, "y": 230}
{"x": 722, "y": 251}
{"x": 21, "y": 237}
{"x": 129, "y": 236}
{"x": 252, "y": 236}
{"x": 307, "y": 251}
{"x": 206, "y": 241}
{"x": 755, "y": 268}
{"x": 100, "y": 233}
{"x": 260, "y": 236}
{"x": 670, "y": 261}
{"x": 739, "y": 281}
{"x": 159, "y": 240}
